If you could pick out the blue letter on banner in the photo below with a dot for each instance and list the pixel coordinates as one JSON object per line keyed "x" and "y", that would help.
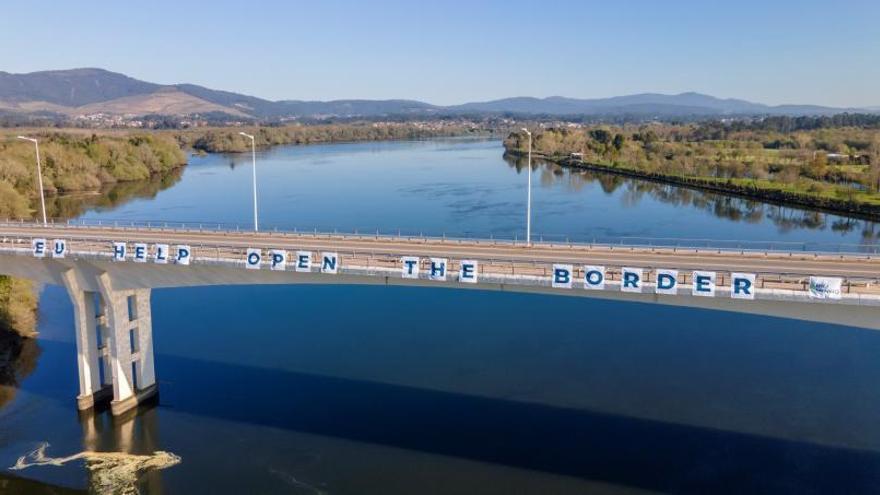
{"x": 161, "y": 254}
{"x": 666, "y": 282}
{"x": 330, "y": 262}
{"x": 183, "y": 255}
{"x": 39, "y": 248}
{"x": 60, "y": 248}
{"x": 410, "y": 267}
{"x": 594, "y": 277}
{"x": 468, "y": 271}
{"x": 741, "y": 286}
{"x": 140, "y": 253}
{"x": 561, "y": 276}
{"x": 703, "y": 284}
{"x": 303, "y": 261}
{"x": 253, "y": 259}
{"x": 438, "y": 269}
{"x": 118, "y": 251}
{"x": 631, "y": 279}
{"x": 279, "y": 260}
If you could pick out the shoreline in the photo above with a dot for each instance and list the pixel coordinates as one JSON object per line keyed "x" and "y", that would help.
{"x": 858, "y": 210}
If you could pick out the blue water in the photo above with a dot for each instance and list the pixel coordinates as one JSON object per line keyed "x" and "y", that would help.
{"x": 353, "y": 390}
{"x": 463, "y": 187}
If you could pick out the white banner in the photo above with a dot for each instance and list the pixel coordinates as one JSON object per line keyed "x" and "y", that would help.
{"x": 562, "y": 275}
{"x": 59, "y": 248}
{"x": 303, "y": 261}
{"x": 161, "y": 255}
{"x": 667, "y": 282}
{"x": 631, "y": 279}
{"x": 742, "y": 285}
{"x": 253, "y": 259}
{"x": 467, "y": 271}
{"x": 278, "y": 260}
{"x": 39, "y": 247}
{"x": 594, "y": 277}
{"x": 703, "y": 284}
{"x": 140, "y": 253}
{"x": 183, "y": 255}
{"x": 437, "y": 270}
{"x": 329, "y": 263}
{"x": 410, "y": 267}
{"x": 119, "y": 251}
{"x": 825, "y": 287}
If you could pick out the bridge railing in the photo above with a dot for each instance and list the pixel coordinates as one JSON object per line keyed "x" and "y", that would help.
{"x": 583, "y": 239}
{"x": 377, "y": 262}
{"x": 232, "y": 254}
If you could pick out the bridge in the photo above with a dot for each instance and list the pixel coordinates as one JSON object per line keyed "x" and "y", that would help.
{"x": 109, "y": 272}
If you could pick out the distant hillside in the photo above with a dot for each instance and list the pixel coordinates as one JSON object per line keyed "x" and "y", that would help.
{"x": 89, "y": 91}
{"x": 70, "y": 88}
{"x": 645, "y": 104}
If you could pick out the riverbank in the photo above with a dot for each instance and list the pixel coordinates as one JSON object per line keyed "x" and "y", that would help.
{"x": 76, "y": 162}
{"x": 229, "y": 140}
{"x": 806, "y": 192}
{"x": 860, "y": 205}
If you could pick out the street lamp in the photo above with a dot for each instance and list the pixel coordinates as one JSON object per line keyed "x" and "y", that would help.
{"x": 254, "y": 157}
{"x": 39, "y": 176}
{"x": 529, "y": 193}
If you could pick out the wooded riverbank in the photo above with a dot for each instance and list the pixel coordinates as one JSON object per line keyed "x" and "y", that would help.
{"x": 758, "y": 190}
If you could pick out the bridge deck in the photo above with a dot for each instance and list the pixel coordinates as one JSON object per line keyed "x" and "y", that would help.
{"x": 775, "y": 270}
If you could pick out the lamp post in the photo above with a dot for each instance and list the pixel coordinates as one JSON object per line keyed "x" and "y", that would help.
{"x": 254, "y": 158}
{"x": 39, "y": 176}
{"x": 529, "y": 193}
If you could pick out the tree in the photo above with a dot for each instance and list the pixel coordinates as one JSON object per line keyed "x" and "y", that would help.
{"x": 619, "y": 139}
{"x": 874, "y": 163}
{"x": 601, "y": 135}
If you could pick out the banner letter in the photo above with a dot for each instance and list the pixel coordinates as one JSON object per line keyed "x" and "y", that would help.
{"x": 594, "y": 277}
{"x": 279, "y": 260}
{"x": 703, "y": 284}
{"x": 561, "y": 277}
{"x": 303, "y": 261}
{"x": 329, "y": 263}
{"x": 667, "y": 282}
{"x": 438, "y": 269}
{"x": 410, "y": 267}
{"x": 631, "y": 279}
{"x": 468, "y": 272}
{"x": 118, "y": 251}
{"x": 742, "y": 285}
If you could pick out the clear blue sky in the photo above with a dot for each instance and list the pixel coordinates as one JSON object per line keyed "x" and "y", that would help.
{"x": 782, "y": 51}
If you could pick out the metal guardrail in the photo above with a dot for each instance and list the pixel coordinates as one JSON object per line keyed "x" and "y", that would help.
{"x": 731, "y": 245}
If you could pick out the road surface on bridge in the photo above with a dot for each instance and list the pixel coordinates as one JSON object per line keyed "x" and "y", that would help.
{"x": 791, "y": 263}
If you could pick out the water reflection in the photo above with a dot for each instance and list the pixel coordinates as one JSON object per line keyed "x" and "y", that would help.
{"x": 109, "y": 197}
{"x": 732, "y": 208}
{"x": 18, "y": 359}
{"x": 135, "y": 459}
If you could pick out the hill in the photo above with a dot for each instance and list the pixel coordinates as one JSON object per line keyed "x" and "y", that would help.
{"x": 89, "y": 91}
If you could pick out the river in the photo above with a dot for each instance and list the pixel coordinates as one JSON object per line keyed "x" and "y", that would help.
{"x": 354, "y": 390}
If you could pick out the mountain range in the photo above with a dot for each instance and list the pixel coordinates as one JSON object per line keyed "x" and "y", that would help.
{"x": 90, "y": 91}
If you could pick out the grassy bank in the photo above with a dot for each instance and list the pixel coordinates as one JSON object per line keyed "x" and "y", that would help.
{"x": 77, "y": 162}
{"x": 17, "y": 306}
{"x": 858, "y": 204}
{"x": 18, "y": 350}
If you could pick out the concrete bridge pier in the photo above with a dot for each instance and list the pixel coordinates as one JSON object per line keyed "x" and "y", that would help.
{"x": 114, "y": 342}
{"x": 91, "y": 356}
